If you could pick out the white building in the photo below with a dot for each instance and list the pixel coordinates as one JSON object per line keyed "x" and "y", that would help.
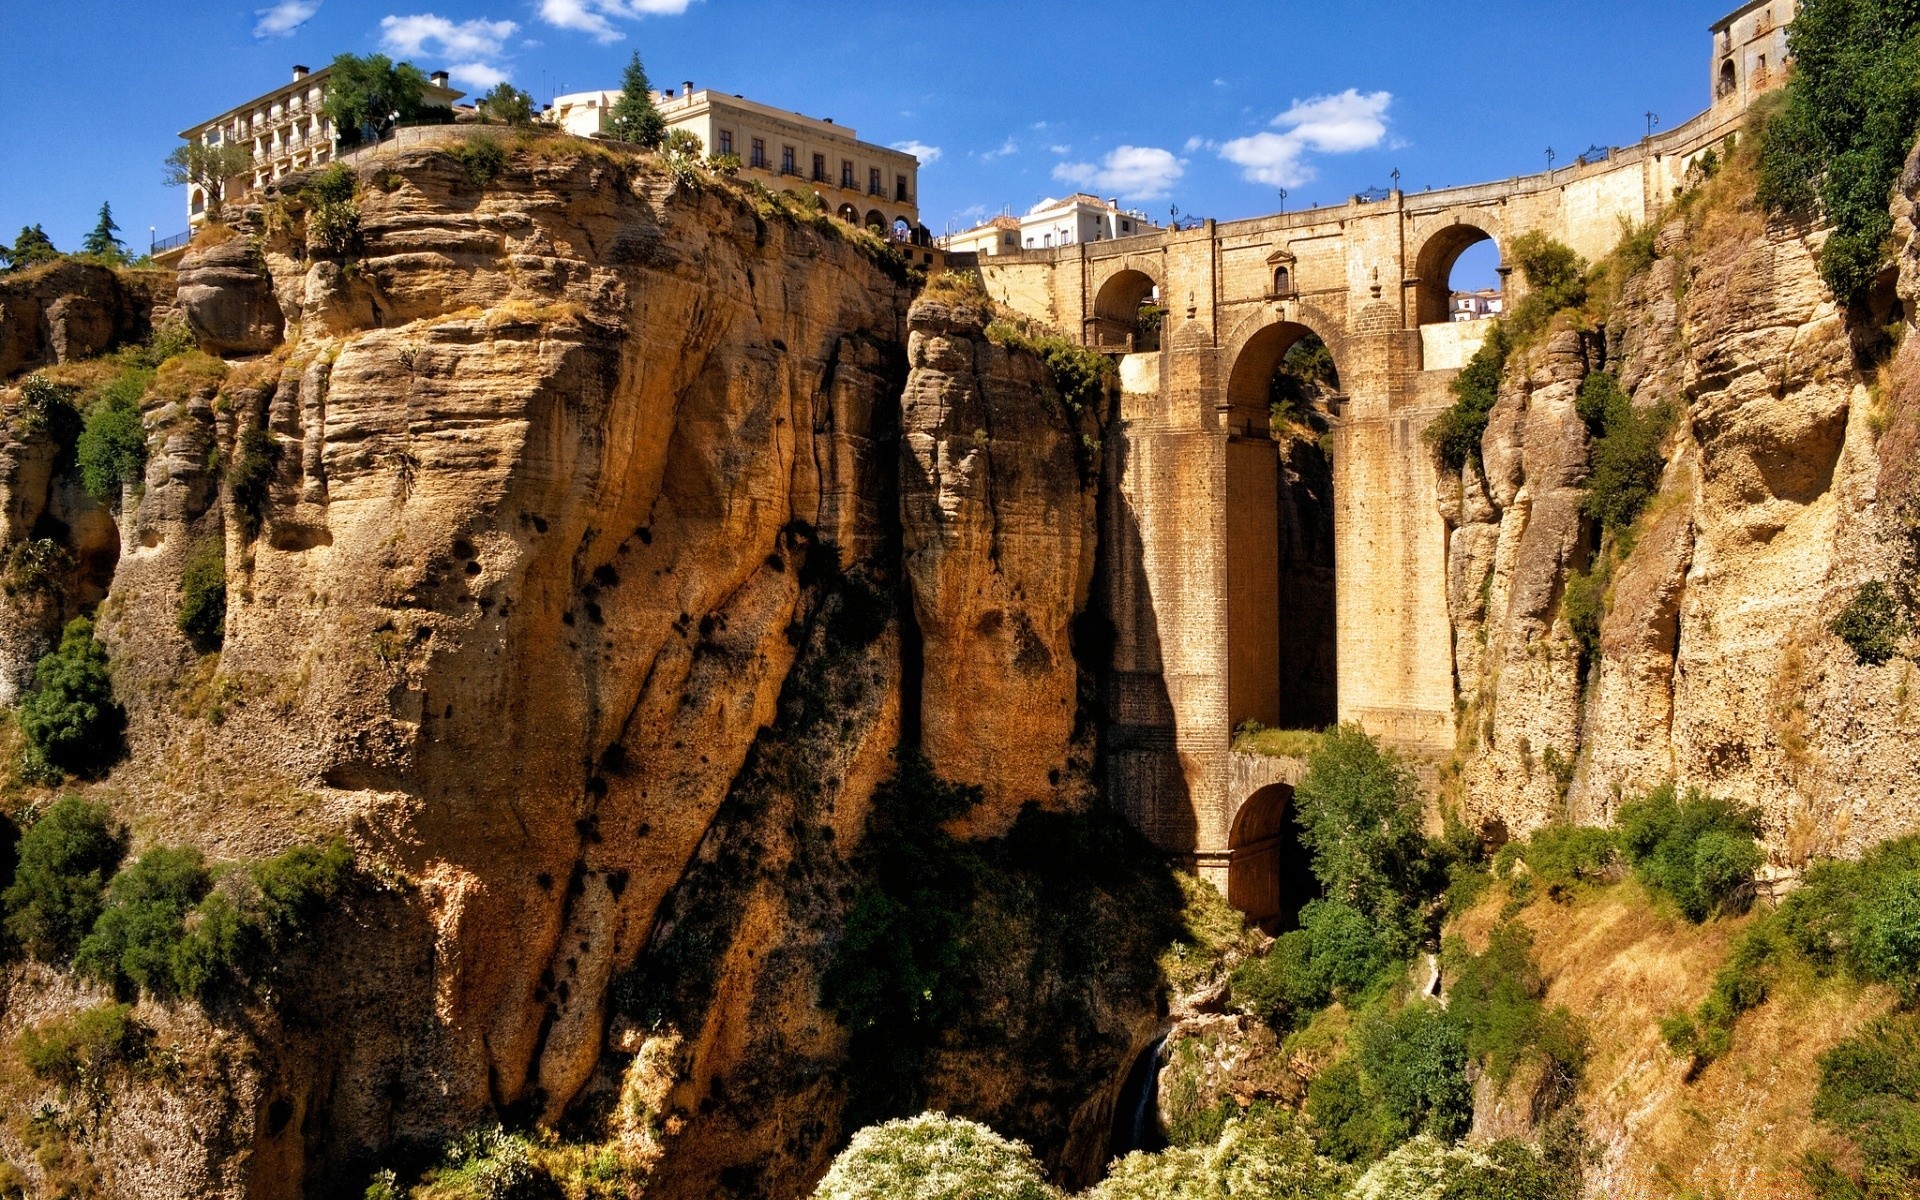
{"x": 1476, "y": 306}
{"x": 860, "y": 182}
{"x": 286, "y": 130}
{"x": 1078, "y": 218}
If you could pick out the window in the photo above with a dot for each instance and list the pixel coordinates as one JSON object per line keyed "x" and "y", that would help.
{"x": 759, "y": 158}
{"x": 900, "y": 187}
{"x": 726, "y": 141}
{"x": 1126, "y": 227}
{"x": 846, "y": 173}
{"x": 1013, "y": 241}
{"x": 873, "y": 181}
{"x": 819, "y": 168}
{"x": 786, "y": 161}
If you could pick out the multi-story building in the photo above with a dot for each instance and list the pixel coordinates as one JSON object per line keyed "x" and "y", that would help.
{"x": 860, "y": 182}
{"x": 1078, "y": 218}
{"x": 1749, "y": 53}
{"x": 286, "y": 130}
{"x": 1476, "y": 305}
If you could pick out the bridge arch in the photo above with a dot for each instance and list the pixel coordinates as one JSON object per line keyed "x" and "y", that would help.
{"x": 1433, "y": 267}
{"x": 1268, "y": 871}
{"x": 1115, "y": 322}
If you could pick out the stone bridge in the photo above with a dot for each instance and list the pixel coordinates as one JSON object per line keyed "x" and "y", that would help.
{"x": 1252, "y": 580}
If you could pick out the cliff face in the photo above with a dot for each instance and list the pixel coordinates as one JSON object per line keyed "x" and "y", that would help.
{"x": 564, "y": 473}
{"x": 1715, "y": 666}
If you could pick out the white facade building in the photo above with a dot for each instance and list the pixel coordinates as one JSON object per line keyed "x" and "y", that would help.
{"x": 860, "y": 182}
{"x": 1476, "y": 306}
{"x": 1078, "y": 218}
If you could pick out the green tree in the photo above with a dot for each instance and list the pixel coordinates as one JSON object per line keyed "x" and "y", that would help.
{"x": 634, "y": 117}
{"x": 1838, "y": 145}
{"x": 139, "y": 933}
{"x": 1698, "y": 849}
{"x": 1359, "y": 815}
{"x": 112, "y": 446}
{"x": 934, "y": 1157}
{"x": 70, "y": 718}
{"x": 31, "y": 248}
{"x": 203, "y": 595}
{"x": 207, "y": 168}
{"x": 65, "y": 860}
{"x": 367, "y": 97}
{"x": 508, "y": 104}
{"x": 101, "y": 241}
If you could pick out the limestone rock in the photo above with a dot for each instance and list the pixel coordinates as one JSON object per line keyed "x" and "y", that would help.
{"x": 228, "y": 298}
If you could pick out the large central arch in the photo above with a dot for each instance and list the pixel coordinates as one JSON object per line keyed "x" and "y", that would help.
{"x": 1281, "y": 639}
{"x": 1433, "y": 268}
{"x": 1116, "y": 311}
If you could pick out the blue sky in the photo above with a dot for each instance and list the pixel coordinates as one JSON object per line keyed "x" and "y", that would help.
{"x": 1208, "y": 106}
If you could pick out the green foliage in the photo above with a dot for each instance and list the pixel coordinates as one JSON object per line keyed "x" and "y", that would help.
{"x": 725, "y": 165}
{"x": 1255, "y": 738}
{"x": 1584, "y": 605}
{"x": 687, "y": 142}
{"x": 634, "y": 117}
{"x": 1359, "y": 815}
{"x": 203, "y": 594}
{"x": 1415, "y": 1062}
{"x": 365, "y": 97}
{"x": 48, "y": 408}
{"x": 208, "y": 168}
{"x": 481, "y": 158}
{"x": 80, "y": 1053}
{"x": 335, "y": 183}
{"x": 255, "y": 463}
{"x": 490, "y": 1164}
{"x": 1698, "y": 850}
{"x": 35, "y": 566}
{"x": 1335, "y": 954}
{"x": 1870, "y": 1094}
{"x": 296, "y": 887}
{"x": 31, "y": 248}
{"x": 1556, "y": 280}
{"x": 138, "y": 935}
{"x": 1559, "y": 858}
{"x": 1626, "y": 451}
{"x": 71, "y": 721}
{"x": 1874, "y": 624}
{"x": 1496, "y": 998}
{"x": 1456, "y": 434}
{"x": 101, "y": 240}
{"x": 112, "y": 446}
{"x": 65, "y": 860}
{"x": 934, "y": 1157}
{"x": 1262, "y": 1154}
{"x": 1304, "y": 374}
{"x": 507, "y": 104}
{"x": 1859, "y": 917}
{"x": 1083, "y": 377}
{"x": 1851, "y": 110}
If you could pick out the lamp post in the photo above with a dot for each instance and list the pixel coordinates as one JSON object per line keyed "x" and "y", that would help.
{"x": 1283, "y": 199}
{"x": 1549, "y": 158}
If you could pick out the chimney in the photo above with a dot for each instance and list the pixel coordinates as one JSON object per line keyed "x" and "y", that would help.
{"x": 687, "y": 88}
{"x": 1113, "y": 202}
{"x": 439, "y": 78}
{"x": 299, "y": 72}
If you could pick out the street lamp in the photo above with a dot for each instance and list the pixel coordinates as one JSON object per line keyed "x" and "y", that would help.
{"x": 1283, "y": 199}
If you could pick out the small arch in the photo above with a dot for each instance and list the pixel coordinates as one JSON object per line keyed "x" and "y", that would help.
{"x": 1283, "y": 281}
{"x": 1268, "y": 877}
{"x": 1124, "y": 313}
{"x": 1728, "y": 81}
{"x": 1434, "y": 297}
{"x": 901, "y": 230}
{"x": 876, "y": 221}
{"x": 848, "y": 213}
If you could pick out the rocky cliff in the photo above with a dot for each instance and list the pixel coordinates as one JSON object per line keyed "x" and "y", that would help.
{"x": 1715, "y": 665}
{"x": 593, "y": 537}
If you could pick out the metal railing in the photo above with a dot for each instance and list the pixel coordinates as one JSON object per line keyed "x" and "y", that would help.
{"x": 170, "y": 243}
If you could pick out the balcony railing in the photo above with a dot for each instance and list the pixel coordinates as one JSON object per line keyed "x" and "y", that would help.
{"x": 170, "y": 243}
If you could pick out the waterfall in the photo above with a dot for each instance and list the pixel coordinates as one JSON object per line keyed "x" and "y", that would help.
{"x": 1136, "y": 1120}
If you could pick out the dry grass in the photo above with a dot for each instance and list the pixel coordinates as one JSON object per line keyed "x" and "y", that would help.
{"x": 1742, "y": 1126}
{"x": 1277, "y": 743}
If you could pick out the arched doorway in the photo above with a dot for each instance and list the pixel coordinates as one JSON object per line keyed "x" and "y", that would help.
{"x": 848, "y": 213}
{"x": 1728, "y": 83}
{"x": 902, "y": 230}
{"x": 1268, "y": 877}
{"x": 1282, "y": 653}
{"x": 1126, "y": 313}
{"x": 877, "y": 221}
{"x": 1460, "y": 276}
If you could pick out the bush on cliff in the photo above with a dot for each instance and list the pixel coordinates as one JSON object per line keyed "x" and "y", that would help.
{"x": 48, "y": 408}
{"x": 203, "y": 595}
{"x": 1456, "y": 434}
{"x": 1838, "y": 143}
{"x": 1870, "y": 1094}
{"x": 934, "y": 1157}
{"x": 251, "y": 479}
{"x": 139, "y": 933}
{"x": 1335, "y": 954}
{"x": 112, "y": 447}
{"x": 71, "y": 721}
{"x": 1360, "y": 818}
{"x": 66, "y": 858}
{"x": 1266, "y": 1153}
{"x": 1874, "y": 624}
{"x": 1497, "y": 997}
{"x": 80, "y": 1053}
{"x": 1697, "y": 850}
{"x": 1626, "y": 457}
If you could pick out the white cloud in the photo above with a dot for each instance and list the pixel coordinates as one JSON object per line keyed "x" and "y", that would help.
{"x": 1337, "y": 124}
{"x": 283, "y": 18}
{"x": 1007, "y": 149}
{"x": 481, "y": 77}
{"x": 468, "y": 39}
{"x": 1131, "y": 172}
{"x": 1060, "y": 149}
{"x": 596, "y": 17}
{"x": 920, "y": 150}
{"x": 1199, "y": 143}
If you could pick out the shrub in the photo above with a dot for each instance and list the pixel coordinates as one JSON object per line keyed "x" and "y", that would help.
{"x": 1416, "y": 1062}
{"x": 934, "y": 1157}
{"x": 1456, "y": 434}
{"x": 251, "y": 480}
{"x": 1626, "y": 457}
{"x": 36, "y": 565}
{"x": 1559, "y": 858}
{"x": 481, "y": 158}
{"x": 1335, "y": 953}
{"x": 203, "y": 594}
{"x": 683, "y": 141}
{"x": 1870, "y": 1094}
{"x": 1359, "y": 815}
{"x": 65, "y": 860}
{"x": 1264, "y": 1153}
{"x": 71, "y": 721}
{"x": 297, "y": 887}
{"x": 1697, "y": 850}
{"x": 1852, "y": 105}
{"x": 1556, "y": 280}
{"x": 112, "y": 447}
{"x": 1584, "y": 605}
{"x": 1873, "y": 624}
{"x": 508, "y": 104}
{"x": 138, "y": 935}
{"x": 491, "y": 1164}
{"x": 1496, "y": 998}
{"x": 80, "y": 1053}
{"x": 47, "y": 408}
